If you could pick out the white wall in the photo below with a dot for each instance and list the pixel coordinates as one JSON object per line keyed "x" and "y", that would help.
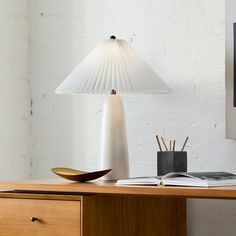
{"x": 14, "y": 90}
{"x": 182, "y": 40}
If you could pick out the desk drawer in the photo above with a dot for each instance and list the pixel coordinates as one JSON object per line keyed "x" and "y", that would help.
{"x": 53, "y": 217}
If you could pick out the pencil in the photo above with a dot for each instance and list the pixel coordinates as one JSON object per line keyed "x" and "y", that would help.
{"x": 164, "y": 143}
{"x": 184, "y": 144}
{"x": 173, "y": 145}
{"x": 170, "y": 145}
{"x": 158, "y": 142}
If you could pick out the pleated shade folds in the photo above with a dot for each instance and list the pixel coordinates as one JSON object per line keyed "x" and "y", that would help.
{"x": 112, "y": 64}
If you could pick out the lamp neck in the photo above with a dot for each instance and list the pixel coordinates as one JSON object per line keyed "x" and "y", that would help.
{"x": 113, "y": 91}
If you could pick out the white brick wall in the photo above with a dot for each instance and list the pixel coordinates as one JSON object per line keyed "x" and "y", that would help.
{"x": 14, "y": 90}
{"x": 182, "y": 40}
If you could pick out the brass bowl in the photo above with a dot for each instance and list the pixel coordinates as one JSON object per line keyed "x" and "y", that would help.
{"x": 78, "y": 175}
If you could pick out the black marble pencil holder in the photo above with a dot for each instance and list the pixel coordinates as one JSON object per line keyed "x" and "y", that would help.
{"x": 171, "y": 161}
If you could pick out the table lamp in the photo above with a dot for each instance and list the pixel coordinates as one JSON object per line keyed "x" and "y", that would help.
{"x": 113, "y": 67}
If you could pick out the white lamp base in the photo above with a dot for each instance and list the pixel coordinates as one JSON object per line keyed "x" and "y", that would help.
{"x": 114, "y": 149}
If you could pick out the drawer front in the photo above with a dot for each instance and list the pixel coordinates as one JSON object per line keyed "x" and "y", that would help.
{"x": 51, "y": 217}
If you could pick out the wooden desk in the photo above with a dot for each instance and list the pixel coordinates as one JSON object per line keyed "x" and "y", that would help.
{"x": 97, "y": 209}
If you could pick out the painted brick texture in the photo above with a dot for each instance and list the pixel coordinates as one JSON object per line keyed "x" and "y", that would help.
{"x": 14, "y": 90}
{"x": 182, "y": 40}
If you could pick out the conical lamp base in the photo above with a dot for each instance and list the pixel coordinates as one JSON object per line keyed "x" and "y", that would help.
{"x": 114, "y": 149}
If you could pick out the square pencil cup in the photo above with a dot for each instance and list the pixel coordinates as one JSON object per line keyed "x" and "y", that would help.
{"x": 171, "y": 161}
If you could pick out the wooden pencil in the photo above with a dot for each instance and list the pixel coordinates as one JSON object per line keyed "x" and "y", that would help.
{"x": 170, "y": 146}
{"x": 158, "y": 142}
{"x": 184, "y": 144}
{"x": 173, "y": 145}
{"x": 163, "y": 141}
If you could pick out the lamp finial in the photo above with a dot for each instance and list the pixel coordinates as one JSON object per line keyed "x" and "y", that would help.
{"x": 113, "y": 37}
{"x": 113, "y": 91}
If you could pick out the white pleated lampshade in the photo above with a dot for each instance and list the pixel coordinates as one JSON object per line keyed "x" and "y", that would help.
{"x": 112, "y": 64}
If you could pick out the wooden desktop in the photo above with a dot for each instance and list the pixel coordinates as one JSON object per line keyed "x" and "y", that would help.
{"x": 59, "y": 207}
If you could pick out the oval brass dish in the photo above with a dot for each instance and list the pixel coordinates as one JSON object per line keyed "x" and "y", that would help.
{"x": 77, "y": 175}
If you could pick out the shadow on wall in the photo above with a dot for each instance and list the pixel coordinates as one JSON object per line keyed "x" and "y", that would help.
{"x": 211, "y": 217}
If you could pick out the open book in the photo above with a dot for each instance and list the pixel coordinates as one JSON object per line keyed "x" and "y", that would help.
{"x": 194, "y": 179}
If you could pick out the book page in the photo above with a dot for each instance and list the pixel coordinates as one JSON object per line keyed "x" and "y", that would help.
{"x": 209, "y": 176}
{"x": 154, "y": 180}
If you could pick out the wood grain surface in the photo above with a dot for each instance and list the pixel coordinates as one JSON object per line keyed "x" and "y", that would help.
{"x": 99, "y": 187}
{"x": 54, "y": 218}
{"x": 133, "y": 216}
